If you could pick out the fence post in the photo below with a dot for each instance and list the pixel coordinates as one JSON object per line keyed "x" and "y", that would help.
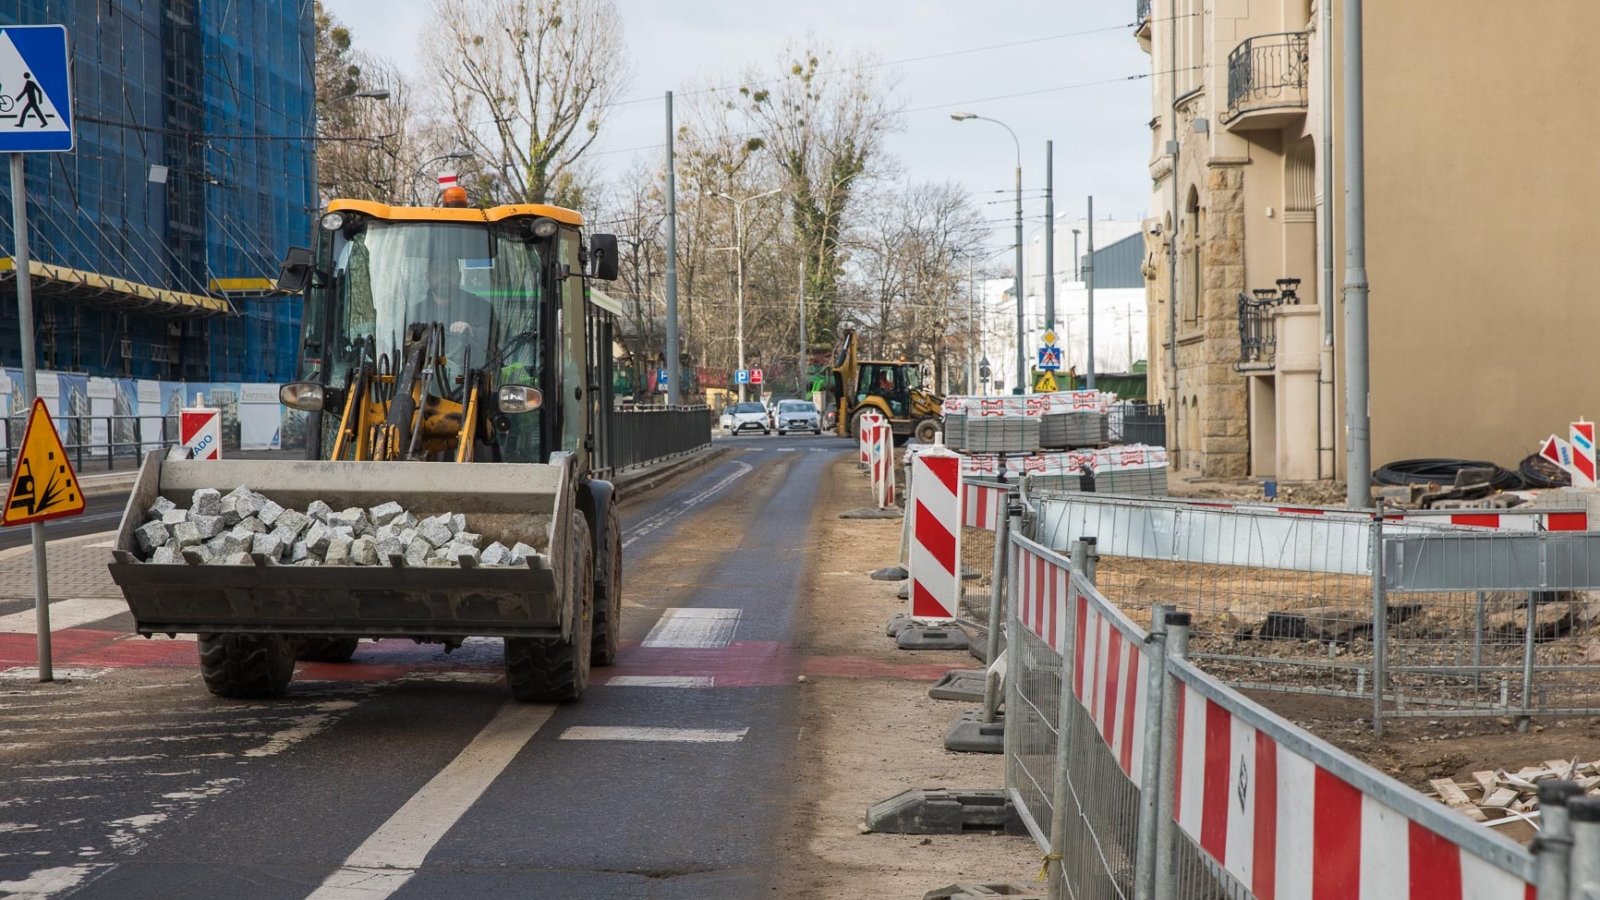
{"x": 1552, "y": 848}
{"x": 1091, "y": 560}
{"x": 1527, "y": 655}
{"x": 1166, "y": 885}
{"x": 1583, "y": 878}
{"x": 1062, "y": 794}
{"x": 1380, "y": 624}
{"x": 991, "y": 691}
{"x": 1080, "y": 555}
{"x": 1014, "y": 667}
{"x": 1144, "y": 857}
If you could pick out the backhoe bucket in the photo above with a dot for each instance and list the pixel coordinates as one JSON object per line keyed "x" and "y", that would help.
{"x": 504, "y": 502}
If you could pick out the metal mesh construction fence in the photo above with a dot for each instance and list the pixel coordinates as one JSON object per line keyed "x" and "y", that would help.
{"x": 1492, "y": 623}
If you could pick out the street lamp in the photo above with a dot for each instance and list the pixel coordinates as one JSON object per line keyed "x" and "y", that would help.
{"x": 458, "y": 153}
{"x": 377, "y": 94}
{"x": 738, "y": 254}
{"x": 1022, "y": 335}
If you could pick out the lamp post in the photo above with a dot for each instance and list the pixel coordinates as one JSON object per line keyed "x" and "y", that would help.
{"x": 378, "y": 94}
{"x": 738, "y": 255}
{"x": 458, "y": 153}
{"x": 1022, "y": 335}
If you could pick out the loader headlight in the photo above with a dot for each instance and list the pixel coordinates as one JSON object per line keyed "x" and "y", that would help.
{"x": 333, "y": 221}
{"x": 305, "y": 396}
{"x": 519, "y": 398}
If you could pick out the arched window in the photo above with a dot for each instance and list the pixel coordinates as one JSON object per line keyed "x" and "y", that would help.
{"x": 1191, "y": 262}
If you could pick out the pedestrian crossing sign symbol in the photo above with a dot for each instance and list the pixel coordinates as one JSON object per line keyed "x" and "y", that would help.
{"x": 35, "y": 90}
{"x": 43, "y": 485}
{"x": 1050, "y": 358}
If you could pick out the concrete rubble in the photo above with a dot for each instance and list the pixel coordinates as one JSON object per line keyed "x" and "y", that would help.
{"x": 243, "y": 527}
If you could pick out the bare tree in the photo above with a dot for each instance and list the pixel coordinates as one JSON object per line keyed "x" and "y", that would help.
{"x": 823, "y": 121}
{"x": 526, "y": 85}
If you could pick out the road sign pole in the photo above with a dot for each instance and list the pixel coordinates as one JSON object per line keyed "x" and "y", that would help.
{"x": 30, "y": 387}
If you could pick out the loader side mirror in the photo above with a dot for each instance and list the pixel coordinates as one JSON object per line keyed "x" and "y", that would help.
{"x": 296, "y": 270}
{"x": 603, "y": 256}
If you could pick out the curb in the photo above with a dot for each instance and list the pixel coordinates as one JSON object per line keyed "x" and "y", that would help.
{"x": 649, "y": 478}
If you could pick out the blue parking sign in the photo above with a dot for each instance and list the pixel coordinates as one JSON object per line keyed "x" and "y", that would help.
{"x": 741, "y": 376}
{"x": 661, "y": 376}
{"x": 35, "y": 90}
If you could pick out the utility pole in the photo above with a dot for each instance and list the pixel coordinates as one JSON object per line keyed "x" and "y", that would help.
{"x": 1049, "y": 236}
{"x": 674, "y": 379}
{"x": 1358, "y": 464}
{"x": 972, "y": 330}
{"x": 1020, "y": 386}
{"x": 805, "y": 349}
{"x": 1088, "y": 274}
{"x": 1077, "y": 260}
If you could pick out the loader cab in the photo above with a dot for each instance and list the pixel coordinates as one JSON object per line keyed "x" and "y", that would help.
{"x": 485, "y": 307}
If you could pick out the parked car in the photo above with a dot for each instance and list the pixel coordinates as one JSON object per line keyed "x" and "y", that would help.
{"x": 748, "y": 416}
{"x": 797, "y": 415}
{"x": 725, "y": 421}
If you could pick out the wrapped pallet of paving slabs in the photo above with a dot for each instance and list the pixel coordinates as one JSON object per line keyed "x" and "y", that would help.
{"x": 993, "y": 424}
{"x": 1074, "y": 419}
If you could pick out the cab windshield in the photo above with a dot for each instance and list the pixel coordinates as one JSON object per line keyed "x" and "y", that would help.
{"x": 480, "y": 284}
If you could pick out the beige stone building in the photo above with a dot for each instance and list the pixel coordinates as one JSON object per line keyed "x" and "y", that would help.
{"x": 1481, "y": 187}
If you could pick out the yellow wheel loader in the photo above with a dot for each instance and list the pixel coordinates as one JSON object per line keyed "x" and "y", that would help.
{"x": 892, "y": 388}
{"x": 451, "y": 363}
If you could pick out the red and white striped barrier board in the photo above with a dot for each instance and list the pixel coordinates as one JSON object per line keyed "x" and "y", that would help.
{"x": 982, "y": 504}
{"x": 200, "y": 430}
{"x": 1526, "y": 518}
{"x": 935, "y": 556}
{"x": 1132, "y": 457}
{"x": 881, "y": 451}
{"x": 864, "y": 435}
{"x": 1110, "y": 677}
{"x": 1583, "y": 473}
{"x": 1288, "y": 828}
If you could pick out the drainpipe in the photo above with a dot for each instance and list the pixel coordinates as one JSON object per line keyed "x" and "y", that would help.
{"x": 1173, "y": 442}
{"x": 1325, "y": 396}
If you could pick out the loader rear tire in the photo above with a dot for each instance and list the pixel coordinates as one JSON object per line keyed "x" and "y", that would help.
{"x": 325, "y": 648}
{"x": 554, "y": 670}
{"x": 246, "y": 666}
{"x": 608, "y": 594}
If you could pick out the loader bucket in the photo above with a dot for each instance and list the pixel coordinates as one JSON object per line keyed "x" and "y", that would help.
{"x": 504, "y": 502}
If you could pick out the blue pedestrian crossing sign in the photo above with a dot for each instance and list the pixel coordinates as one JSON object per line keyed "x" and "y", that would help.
{"x": 35, "y": 90}
{"x": 741, "y": 376}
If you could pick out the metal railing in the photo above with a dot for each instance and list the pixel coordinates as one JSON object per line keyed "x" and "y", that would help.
{"x": 123, "y": 438}
{"x": 641, "y": 434}
{"x": 1139, "y": 423}
{"x": 1267, "y": 72}
{"x": 1258, "y": 336}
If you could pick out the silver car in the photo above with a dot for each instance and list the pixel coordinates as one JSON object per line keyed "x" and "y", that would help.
{"x": 797, "y": 415}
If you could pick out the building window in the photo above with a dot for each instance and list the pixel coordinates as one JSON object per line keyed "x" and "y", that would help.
{"x": 1193, "y": 277}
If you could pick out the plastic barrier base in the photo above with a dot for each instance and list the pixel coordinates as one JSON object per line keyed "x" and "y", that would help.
{"x": 871, "y": 512}
{"x": 942, "y": 811}
{"x": 916, "y": 636}
{"x": 891, "y": 573}
{"x": 970, "y": 734}
{"x": 959, "y": 684}
{"x": 897, "y": 622}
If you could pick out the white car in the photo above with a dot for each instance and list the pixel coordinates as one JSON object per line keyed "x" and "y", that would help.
{"x": 797, "y": 415}
{"x": 748, "y": 416}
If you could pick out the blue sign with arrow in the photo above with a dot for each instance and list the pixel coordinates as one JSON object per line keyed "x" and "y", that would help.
{"x": 35, "y": 90}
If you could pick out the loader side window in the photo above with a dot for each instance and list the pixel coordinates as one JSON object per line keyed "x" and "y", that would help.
{"x": 574, "y": 422}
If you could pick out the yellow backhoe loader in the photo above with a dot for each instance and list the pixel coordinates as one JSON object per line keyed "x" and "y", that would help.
{"x": 451, "y": 363}
{"x": 894, "y": 389}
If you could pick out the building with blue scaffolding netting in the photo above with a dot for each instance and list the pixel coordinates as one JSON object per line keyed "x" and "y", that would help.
{"x": 156, "y": 240}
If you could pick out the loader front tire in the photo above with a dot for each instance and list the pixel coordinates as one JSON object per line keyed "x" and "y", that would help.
{"x": 608, "y": 593}
{"x": 324, "y": 648}
{"x": 246, "y": 666}
{"x": 556, "y": 670}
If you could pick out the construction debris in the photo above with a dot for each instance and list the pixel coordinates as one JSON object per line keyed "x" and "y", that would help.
{"x": 246, "y": 528}
{"x": 1510, "y": 800}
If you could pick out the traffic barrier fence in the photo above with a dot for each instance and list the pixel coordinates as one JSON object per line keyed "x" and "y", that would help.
{"x": 1140, "y": 774}
{"x": 983, "y": 505}
{"x": 97, "y": 439}
{"x": 640, "y": 434}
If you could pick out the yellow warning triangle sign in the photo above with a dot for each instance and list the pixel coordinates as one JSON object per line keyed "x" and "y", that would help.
{"x": 1045, "y": 383}
{"x": 43, "y": 485}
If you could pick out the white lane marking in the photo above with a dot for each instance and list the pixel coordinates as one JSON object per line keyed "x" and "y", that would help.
{"x": 662, "y": 681}
{"x": 387, "y": 859}
{"x": 676, "y": 735}
{"x": 662, "y": 518}
{"x": 65, "y": 614}
{"x": 785, "y": 449}
{"x": 694, "y": 628}
{"x": 42, "y": 883}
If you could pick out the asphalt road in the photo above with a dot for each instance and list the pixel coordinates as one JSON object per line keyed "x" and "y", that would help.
{"x": 409, "y": 774}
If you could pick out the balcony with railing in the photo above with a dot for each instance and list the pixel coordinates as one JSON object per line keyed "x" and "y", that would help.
{"x": 1267, "y": 81}
{"x": 1258, "y": 330}
{"x": 1141, "y": 17}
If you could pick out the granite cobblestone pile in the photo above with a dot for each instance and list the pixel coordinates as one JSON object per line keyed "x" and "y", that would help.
{"x": 245, "y": 528}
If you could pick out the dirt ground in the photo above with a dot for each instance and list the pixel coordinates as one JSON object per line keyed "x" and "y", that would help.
{"x": 1311, "y": 493}
{"x": 870, "y": 736}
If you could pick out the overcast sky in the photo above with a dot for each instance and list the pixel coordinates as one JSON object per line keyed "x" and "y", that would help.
{"x": 1085, "y": 48}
